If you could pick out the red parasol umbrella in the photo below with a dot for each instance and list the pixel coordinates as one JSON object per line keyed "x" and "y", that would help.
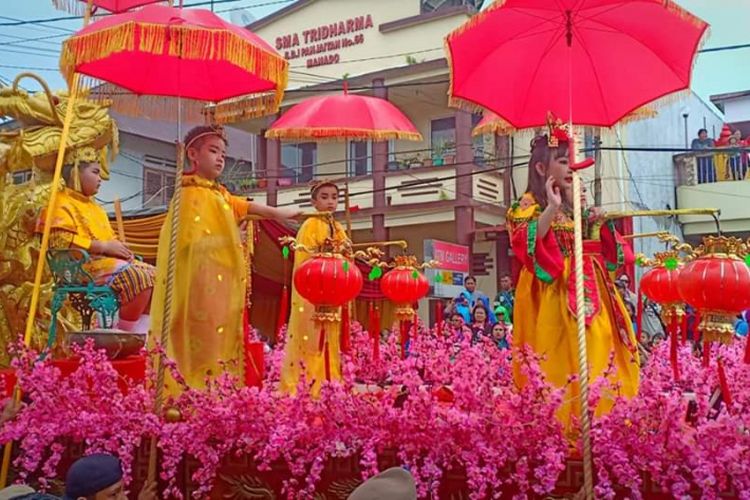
{"x": 187, "y": 53}
{"x": 594, "y": 61}
{"x": 344, "y": 116}
{"x": 616, "y": 55}
{"x": 79, "y": 7}
{"x": 491, "y": 124}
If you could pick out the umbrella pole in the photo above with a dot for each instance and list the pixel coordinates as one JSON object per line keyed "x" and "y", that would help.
{"x": 583, "y": 368}
{"x": 347, "y": 203}
{"x": 42, "y": 253}
{"x": 168, "y": 297}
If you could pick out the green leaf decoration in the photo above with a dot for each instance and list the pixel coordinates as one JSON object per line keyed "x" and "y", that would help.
{"x": 346, "y": 266}
{"x": 285, "y": 252}
{"x": 671, "y": 263}
{"x": 639, "y": 261}
{"x": 415, "y": 274}
{"x": 747, "y": 259}
{"x": 375, "y": 273}
{"x": 439, "y": 278}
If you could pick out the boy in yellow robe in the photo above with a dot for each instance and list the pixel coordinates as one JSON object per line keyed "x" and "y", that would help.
{"x": 209, "y": 284}
{"x": 79, "y": 222}
{"x": 302, "y": 350}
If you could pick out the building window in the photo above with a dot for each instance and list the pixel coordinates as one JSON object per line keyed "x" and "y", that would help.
{"x": 158, "y": 181}
{"x": 298, "y": 162}
{"x": 590, "y": 140}
{"x": 360, "y": 158}
{"x": 22, "y": 177}
{"x": 443, "y": 140}
{"x": 434, "y": 5}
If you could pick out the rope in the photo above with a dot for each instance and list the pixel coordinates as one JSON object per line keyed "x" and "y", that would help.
{"x": 583, "y": 368}
{"x": 167, "y": 316}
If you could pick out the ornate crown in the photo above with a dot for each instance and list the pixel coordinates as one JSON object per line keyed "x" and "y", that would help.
{"x": 317, "y": 184}
{"x": 558, "y": 131}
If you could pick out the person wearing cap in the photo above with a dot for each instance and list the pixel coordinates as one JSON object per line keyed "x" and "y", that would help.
{"x": 208, "y": 293}
{"x": 304, "y": 349}
{"x": 93, "y": 477}
{"x": 391, "y": 484}
{"x": 623, "y": 286}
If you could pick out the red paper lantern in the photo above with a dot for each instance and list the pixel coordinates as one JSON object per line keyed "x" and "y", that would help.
{"x": 328, "y": 281}
{"x": 659, "y": 283}
{"x": 716, "y": 284}
{"x": 404, "y": 285}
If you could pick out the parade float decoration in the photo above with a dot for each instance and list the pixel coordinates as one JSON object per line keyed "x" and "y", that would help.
{"x": 27, "y": 161}
{"x": 715, "y": 282}
{"x": 405, "y": 285}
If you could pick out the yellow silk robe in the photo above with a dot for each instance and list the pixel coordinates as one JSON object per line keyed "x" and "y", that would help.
{"x": 302, "y": 334}
{"x": 84, "y": 221}
{"x": 77, "y": 221}
{"x": 544, "y": 312}
{"x": 209, "y": 285}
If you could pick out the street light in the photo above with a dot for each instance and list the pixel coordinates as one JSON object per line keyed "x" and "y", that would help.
{"x": 685, "y": 114}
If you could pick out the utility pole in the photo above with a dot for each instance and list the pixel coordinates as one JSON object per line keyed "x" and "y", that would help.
{"x": 598, "y": 169}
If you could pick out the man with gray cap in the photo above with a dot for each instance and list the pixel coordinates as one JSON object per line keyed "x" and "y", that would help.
{"x": 391, "y": 484}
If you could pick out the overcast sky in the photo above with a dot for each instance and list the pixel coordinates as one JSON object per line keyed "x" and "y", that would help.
{"x": 715, "y": 73}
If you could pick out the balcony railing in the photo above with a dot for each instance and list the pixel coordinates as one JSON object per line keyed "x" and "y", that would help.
{"x": 696, "y": 168}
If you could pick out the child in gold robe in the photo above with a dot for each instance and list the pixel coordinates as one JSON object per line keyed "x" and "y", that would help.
{"x": 78, "y": 222}
{"x": 206, "y": 336}
{"x": 302, "y": 352}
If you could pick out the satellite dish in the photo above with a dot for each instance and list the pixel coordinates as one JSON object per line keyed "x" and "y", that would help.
{"x": 242, "y": 18}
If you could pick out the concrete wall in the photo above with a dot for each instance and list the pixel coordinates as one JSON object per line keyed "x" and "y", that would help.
{"x": 425, "y": 40}
{"x": 649, "y": 176}
{"x": 126, "y": 179}
{"x": 737, "y": 110}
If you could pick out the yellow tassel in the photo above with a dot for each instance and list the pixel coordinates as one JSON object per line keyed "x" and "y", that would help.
{"x": 341, "y": 134}
{"x": 76, "y": 177}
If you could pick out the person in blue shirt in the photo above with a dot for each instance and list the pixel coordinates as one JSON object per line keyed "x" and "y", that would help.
{"x": 469, "y": 298}
{"x": 506, "y": 296}
{"x": 741, "y": 326}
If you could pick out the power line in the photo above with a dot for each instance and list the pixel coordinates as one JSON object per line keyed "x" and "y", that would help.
{"x": 24, "y": 22}
{"x": 42, "y": 39}
{"x": 32, "y": 68}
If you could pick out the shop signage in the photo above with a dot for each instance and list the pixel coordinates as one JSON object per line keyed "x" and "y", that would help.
{"x": 322, "y": 45}
{"x": 454, "y": 263}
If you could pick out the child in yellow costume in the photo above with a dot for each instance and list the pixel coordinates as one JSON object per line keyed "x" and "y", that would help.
{"x": 78, "y": 222}
{"x": 541, "y": 231}
{"x": 209, "y": 285}
{"x": 302, "y": 351}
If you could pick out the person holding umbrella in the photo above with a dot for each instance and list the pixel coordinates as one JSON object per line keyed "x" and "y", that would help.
{"x": 541, "y": 229}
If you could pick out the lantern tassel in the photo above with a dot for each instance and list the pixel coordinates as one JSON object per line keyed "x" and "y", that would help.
{"x": 673, "y": 346}
{"x": 725, "y": 393}
{"x": 439, "y": 317}
{"x": 322, "y": 338}
{"x": 346, "y": 339}
{"x": 639, "y": 318}
{"x": 373, "y": 330}
{"x": 404, "y": 337}
{"x": 376, "y": 333}
{"x": 327, "y": 361}
{"x": 706, "y": 353}
{"x": 283, "y": 312}
{"x": 684, "y": 327}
